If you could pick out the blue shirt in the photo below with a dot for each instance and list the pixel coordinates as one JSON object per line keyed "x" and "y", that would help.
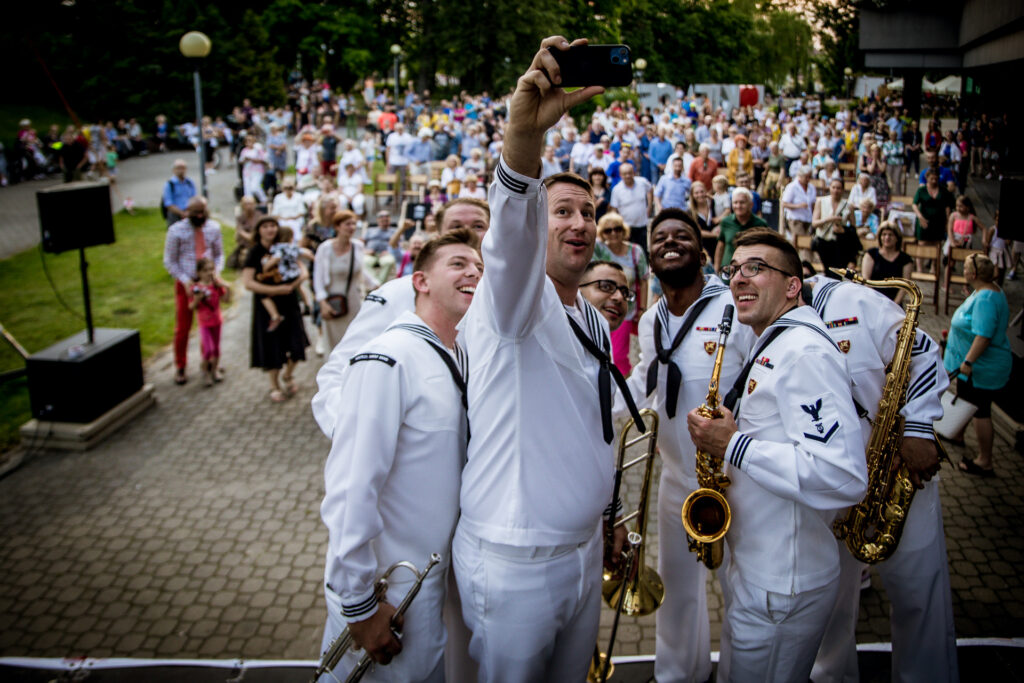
{"x": 419, "y": 152}
{"x": 673, "y": 193}
{"x": 985, "y": 313}
{"x": 945, "y": 176}
{"x": 660, "y": 150}
{"x": 178, "y": 192}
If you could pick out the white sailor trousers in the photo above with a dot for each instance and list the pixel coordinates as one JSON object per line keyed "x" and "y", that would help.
{"x": 422, "y": 656}
{"x": 916, "y": 580}
{"x": 772, "y": 636}
{"x": 682, "y": 629}
{"x": 533, "y": 612}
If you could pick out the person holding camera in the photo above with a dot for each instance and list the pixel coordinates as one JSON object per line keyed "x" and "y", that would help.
{"x": 339, "y": 278}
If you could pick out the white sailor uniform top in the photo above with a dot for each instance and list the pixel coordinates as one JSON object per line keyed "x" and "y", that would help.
{"x": 864, "y": 325}
{"x": 539, "y": 471}
{"x": 380, "y": 308}
{"x": 392, "y": 477}
{"x": 796, "y": 460}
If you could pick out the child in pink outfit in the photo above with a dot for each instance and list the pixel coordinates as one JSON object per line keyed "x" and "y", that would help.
{"x": 206, "y": 297}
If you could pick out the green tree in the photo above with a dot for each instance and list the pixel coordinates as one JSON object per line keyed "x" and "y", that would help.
{"x": 839, "y": 34}
{"x": 252, "y": 70}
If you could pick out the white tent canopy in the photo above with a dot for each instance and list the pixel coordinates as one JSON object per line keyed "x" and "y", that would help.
{"x": 950, "y": 85}
{"x": 895, "y": 85}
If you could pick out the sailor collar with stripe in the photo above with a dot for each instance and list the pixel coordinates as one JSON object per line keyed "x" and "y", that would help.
{"x": 801, "y": 316}
{"x": 412, "y": 323}
{"x": 592, "y": 317}
{"x": 713, "y": 286}
{"x": 824, "y": 287}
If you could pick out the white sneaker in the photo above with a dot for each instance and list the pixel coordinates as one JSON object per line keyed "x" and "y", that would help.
{"x": 321, "y": 345}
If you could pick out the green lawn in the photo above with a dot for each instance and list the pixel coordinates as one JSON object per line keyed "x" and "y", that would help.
{"x": 129, "y": 289}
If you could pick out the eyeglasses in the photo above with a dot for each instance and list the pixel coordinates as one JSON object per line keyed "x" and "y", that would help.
{"x": 750, "y": 269}
{"x": 609, "y": 287}
{"x": 617, "y": 228}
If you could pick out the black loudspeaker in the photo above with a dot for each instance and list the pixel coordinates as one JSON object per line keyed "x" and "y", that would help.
{"x": 75, "y": 216}
{"x": 74, "y": 381}
{"x": 1011, "y": 208}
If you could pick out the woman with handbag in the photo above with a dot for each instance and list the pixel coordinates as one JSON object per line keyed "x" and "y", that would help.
{"x": 978, "y": 351}
{"x": 339, "y": 278}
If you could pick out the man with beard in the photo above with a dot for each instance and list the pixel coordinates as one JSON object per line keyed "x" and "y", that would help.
{"x": 678, "y": 344}
{"x": 193, "y": 237}
{"x": 795, "y": 457}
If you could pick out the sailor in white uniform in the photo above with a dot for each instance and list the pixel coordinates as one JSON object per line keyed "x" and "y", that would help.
{"x": 392, "y": 478}
{"x": 795, "y": 456}
{"x": 380, "y": 308}
{"x": 527, "y": 550}
{"x": 678, "y": 344}
{"x": 864, "y": 324}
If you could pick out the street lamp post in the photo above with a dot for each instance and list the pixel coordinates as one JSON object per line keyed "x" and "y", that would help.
{"x": 640, "y": 66}
{"x": 196, "y": 46}
{"x": 396, "y": 50}
{"x": 848, "y": 77}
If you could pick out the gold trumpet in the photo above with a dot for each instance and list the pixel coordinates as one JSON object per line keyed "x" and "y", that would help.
{"x": 706, "y": 513}
{"x": 343, "y": 642}
{"x": 636, "y": 590}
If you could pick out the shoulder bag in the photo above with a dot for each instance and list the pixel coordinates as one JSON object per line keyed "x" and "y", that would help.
{"x": 339, "y": 302}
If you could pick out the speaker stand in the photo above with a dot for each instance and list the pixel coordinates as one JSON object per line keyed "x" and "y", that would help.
{"x": 84, "y": 267}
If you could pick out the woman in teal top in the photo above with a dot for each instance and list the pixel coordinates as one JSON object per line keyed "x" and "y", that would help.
{"x": 979, "y": 350}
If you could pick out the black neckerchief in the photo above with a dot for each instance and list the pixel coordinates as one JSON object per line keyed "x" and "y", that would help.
{"x": 604, "y": 377}
{"x": 663, "y": 355}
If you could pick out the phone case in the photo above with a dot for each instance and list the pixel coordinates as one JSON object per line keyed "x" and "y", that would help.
{"x": 583, "y": 65}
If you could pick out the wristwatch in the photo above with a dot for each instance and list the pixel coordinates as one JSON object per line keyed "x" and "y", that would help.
{"x": 967, "y": 363}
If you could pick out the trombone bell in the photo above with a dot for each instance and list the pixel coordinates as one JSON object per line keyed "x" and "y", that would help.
{"x": 644, "y": 593}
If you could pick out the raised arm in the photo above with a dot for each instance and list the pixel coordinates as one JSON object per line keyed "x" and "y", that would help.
{"x": 515, "y": 246}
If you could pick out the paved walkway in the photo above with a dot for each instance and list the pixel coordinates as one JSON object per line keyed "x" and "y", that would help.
{"x": 195, "y": 530}
{"x": 140, "y": 178}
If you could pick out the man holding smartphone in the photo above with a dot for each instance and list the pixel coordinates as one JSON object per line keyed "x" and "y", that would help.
{"x": 527, "y": 552}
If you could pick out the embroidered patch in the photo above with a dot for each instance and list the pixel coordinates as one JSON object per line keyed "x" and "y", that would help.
{"x": 372, "y": 356}
{"x": 375, "y": 298}
{"x": 706, "y": 329}
{"x": 814, "y": 410}
{"x": 751, "y": 385}
{"x": 710, "y": 347}
{"x": 844, "y": 345}
{"x": 764, "y": 360}
{"x": 845, "y": 322}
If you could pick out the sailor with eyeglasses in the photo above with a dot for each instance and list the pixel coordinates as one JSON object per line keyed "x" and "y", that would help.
{"x": 794, "y": 453}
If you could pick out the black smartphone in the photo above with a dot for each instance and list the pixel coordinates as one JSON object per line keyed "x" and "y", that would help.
{"x": 583, "y": 65}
